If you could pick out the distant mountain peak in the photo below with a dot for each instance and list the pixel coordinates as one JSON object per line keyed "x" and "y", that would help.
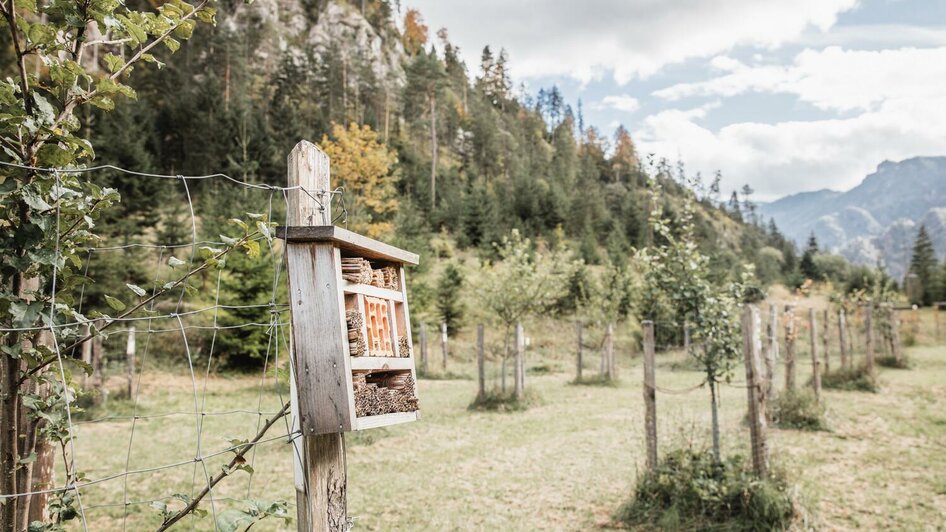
{"x": 871, "y": 221}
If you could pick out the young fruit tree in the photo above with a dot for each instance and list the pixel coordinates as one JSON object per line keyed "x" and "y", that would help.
{"x": 677, "y": 272}
{"x": 66, "y": 56}
{"x": 522, "y": 283}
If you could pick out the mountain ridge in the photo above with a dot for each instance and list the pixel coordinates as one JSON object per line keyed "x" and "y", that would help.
{"x": 874, "y": 222}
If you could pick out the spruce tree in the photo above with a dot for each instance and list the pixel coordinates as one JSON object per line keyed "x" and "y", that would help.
{"x": 449, "y": 305}
{"x": 807, "y": 266}
{"x": 923, "y": 266}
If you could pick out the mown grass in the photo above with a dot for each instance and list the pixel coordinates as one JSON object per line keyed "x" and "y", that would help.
{"x": 565, "y": 464}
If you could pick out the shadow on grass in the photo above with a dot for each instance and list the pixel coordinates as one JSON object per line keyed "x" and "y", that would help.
{"x": 891, "y": 362}
{"x": 597, "y": 380}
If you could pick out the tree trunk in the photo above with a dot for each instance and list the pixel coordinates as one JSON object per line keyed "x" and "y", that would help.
{"x": 715, "y": 407}
{"x": 433, "y": 151}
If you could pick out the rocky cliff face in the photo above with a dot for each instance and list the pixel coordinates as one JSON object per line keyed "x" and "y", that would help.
{"x": 875, "y": 222}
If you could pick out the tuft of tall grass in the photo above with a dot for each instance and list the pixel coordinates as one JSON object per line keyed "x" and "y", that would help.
{"x": 851, "y": 380}
{"x": 798, "y": 409}
{"x": 691, "y": 491}
{"x": 496, "y": 400}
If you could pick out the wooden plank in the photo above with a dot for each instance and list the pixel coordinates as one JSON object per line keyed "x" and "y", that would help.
{"x": 373, "y": 422}
{"x": 371, "y": 290}
{"x": 318, "y": 321}
{"x": 346, "y": 240}
{"x": 380, "y": 363}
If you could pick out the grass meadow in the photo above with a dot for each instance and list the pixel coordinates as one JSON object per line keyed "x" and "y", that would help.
{"x": 566, "y": 463}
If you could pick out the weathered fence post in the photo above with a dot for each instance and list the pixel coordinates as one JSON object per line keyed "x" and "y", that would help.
{"x": 519, "y": 365}
{"x": 790, "y": 334}
{"x": 895, "y": 340}
{"x": 130, "y": 361}
{"x": 481, "y": 359}
{"x": 322, "y": 500}
{"x": 443, "y": 344}
{"x": 423, "y": 347}
{"x": 650, "y": 396}
{"x": 842, "y": 340}
{"x": 825, "y": 329}
{"x": 771, "y": 354}
{"x": 580, "y": 347}
{"x": 869, "y": 332}
{"x": 686, "y": 338}
{"x": 609, "y": 352}
{"x": 815, "y": 363}
{"x": 752, "y": 347}
{"x": 936, "y": 311}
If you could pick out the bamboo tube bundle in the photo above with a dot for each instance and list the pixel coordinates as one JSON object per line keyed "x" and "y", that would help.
{"x": 356, "y": 270}
{"x": 386, "y": 394}
{"x": 377, "y": 279}
{"x": 356, "y": 340}
{"x": 389, "y": 278}
{"x": 403, "y": 347}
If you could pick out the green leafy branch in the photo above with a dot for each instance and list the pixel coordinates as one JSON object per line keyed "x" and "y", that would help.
{"x": 238, "y": 462}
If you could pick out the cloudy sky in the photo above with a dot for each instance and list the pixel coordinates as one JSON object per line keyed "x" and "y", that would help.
{"x": 786, "y": 95}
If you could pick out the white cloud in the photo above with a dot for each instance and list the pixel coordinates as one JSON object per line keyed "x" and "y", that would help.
{"x": 621, "y": 102}
{"x": 831, "y": 79}
{"x": 627, "y": 39}
{"x": 788, "y": 157}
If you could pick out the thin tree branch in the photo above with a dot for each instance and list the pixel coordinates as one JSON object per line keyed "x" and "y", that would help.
{"x": 140, "y": 305}
{"x": 10, "y": 14}
{"x": 225, "y": 472}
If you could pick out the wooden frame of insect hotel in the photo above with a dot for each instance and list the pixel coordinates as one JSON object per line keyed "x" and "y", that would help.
{"x": 353, "y": 355}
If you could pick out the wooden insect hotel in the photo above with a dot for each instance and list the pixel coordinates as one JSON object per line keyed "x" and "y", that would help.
{"x": 353, "y": 360}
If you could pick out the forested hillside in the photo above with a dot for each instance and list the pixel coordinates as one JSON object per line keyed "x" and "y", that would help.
{"x": 472, "y": 155}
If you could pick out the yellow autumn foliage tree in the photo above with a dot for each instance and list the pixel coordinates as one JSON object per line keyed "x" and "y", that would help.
{"x": 365, "y": 167}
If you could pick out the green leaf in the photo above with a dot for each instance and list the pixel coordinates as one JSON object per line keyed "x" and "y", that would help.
{"x": 252, "y": 248}
{"x": 174, "y": 262}
{"x": 141, "y": 292}
{"x": 172, "y": 44}
{"x": 114, "y": 62}
{"x": 115, "y": 303}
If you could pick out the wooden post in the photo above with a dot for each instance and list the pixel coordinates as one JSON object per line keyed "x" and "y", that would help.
{"x": 443, "y": 344}
{"x": 650, "y": 396}
{"x": 423, "y": 347}
{"x": 686, "y": 338}
{"x": 130, "y": 361}
{"x": 609, "y": 352}
{"x": 895, "y": 340}
{"x": 825, "y": 329}
{"x": 771, "y": 355}
{"x": 842, "y": 340}
{"x": 322, "y": 504}
{"x": 869, "y": 332}
{"x": 790, "y": 348}
{"x": 580, "y": 347}
{"x": 752, "y": 347}
{"x": 815, "y": 363}
{"x": 936, "y": 319}
{"x": 519, "y": 365}
{"x": 480, "y": 359}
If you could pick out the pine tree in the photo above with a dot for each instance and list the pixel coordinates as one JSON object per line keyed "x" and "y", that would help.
{"x": 923, "y": 266}
{"x": 807, "y": 266}
{"x": 449, "y": 304}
